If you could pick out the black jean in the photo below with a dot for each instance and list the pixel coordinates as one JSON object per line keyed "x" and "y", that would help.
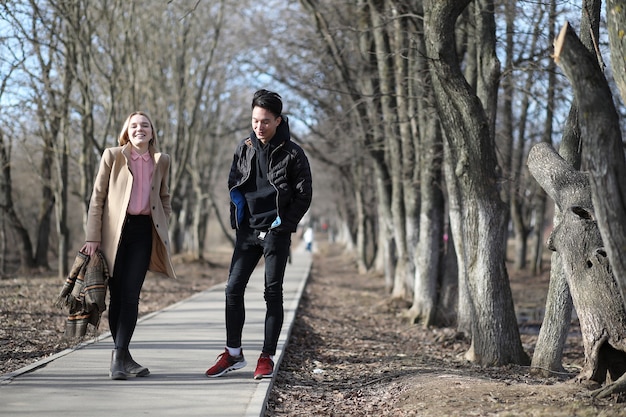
{"x": 131, "y": 264}
{"x": 249, "y": 248}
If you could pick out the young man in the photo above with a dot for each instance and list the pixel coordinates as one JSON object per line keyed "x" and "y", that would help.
{"x": 271, "y": 189}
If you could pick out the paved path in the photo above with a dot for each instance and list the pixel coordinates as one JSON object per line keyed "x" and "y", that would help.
{"x": 178, "y": 344}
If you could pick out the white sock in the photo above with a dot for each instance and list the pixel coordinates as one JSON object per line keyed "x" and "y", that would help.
{"x": 234, "y": 351}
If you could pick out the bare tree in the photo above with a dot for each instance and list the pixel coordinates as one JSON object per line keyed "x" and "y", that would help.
{"x": 354, "y": 78}
{"x": 587, "y": 270}
{"x": 616, "y": 21}
{"x": 430, "y": 305}
{"x": 513, "y": 141}
{"x": 472, "y": 157}
{"x": 44, "y": 38}
{"x": 592, "y": 230}
{"x": 9, "y": 211}
{"x": 553, "y": 333}
{"x": 8, "y": 208}
{"x": 171, "y": 70}
{"x": 390, "y": 112}
{"x": 608, "y": 174}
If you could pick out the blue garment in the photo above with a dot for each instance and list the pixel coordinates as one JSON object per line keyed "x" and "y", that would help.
{"x": 240, "y": 204}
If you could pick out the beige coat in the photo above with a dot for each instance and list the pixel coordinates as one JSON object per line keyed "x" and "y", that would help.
{"x": 110, "y": 199}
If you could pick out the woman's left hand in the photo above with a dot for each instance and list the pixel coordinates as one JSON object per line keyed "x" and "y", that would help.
{"x": 90, "y": 248}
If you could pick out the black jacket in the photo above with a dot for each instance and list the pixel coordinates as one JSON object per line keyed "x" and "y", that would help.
{"x": 289, "y": 173}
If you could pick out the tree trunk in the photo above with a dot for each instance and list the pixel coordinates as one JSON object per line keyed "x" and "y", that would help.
{"x": 429, "y": 248}
{"x": 433, "y": 300}
{"x": 593, "y": 287}
{"x": 556, "y": 323}
{"x": 449, "y": 288}
{"x": 616, "y": 22}
{"x": 222, "y": 221}
{"x": 602, "y": 145}
{"x": 406, "y": 58}
{"x": 456, "y": 247}
{"x": 361, "y": 224}
{"x": 548, "y": 130}
{"x": 548, "y": 354}
{"x": 393, "y": 147}
{"x": 52, "y": 110}
{"x": 73, "y": 15}
{"x": 24, "y": 244}
{"x": 495, "y": 334}
{"x": 386, "y": 243}
{"x": 46, "y": 208}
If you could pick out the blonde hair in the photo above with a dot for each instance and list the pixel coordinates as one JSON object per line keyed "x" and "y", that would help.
{"x": 123, "y": 138}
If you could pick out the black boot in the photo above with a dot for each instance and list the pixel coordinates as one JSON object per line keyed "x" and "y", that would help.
{"x": 118, "y": 371}
{"x": 133, "y": 368}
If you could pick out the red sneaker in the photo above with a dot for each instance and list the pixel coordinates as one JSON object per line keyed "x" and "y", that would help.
{"x": 264, "y": 367}
{"x": 226, "y": 363}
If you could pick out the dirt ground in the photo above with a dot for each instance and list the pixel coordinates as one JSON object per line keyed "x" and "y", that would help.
{"x": 350, "y": 353}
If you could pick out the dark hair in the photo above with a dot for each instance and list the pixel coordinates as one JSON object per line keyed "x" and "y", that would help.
{"x": 268, "y": 100}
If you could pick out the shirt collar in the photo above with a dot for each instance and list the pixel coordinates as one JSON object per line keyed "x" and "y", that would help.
{"x": 145, "y": 156}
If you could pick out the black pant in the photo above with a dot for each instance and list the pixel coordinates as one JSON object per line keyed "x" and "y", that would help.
{"x": 131, "y": 264}
{"x": 249, "y": 248}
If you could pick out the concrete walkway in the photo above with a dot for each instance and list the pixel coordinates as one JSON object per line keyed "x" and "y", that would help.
{"x": 178, "y": 344}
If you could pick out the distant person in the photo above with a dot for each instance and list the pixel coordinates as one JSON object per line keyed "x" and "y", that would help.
{"x": 128, "y": 222}
{"x": 307, "y": 236}
{"x": 270, "y": 188}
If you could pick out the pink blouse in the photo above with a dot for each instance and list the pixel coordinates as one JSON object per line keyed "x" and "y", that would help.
{"x": 141, "y": 167}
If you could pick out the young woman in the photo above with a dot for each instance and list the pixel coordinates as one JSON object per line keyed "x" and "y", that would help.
{"x": 128, "y": 222}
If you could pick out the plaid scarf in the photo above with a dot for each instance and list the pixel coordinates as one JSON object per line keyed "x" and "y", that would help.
{"x": 84, "y": 293}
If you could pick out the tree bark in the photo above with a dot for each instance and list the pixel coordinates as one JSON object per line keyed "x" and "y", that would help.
{"x": 393, "y": 144}
{"x": 495, "y": 334}
{"x": 456, "y": 247}
{"x": 548, "y": 354}
{"x": 602, "y": 145}
{"x": 593, "y": 287}
{"x": 555, "y": 327}
{"x": 24, "y": 244}
{"x": 616, "y": 21}
{"x": 430, "y": 244}
{"x": 406, "y": 59}
{"x": 356, "y": 85}
{"x": 428, "y": 251}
